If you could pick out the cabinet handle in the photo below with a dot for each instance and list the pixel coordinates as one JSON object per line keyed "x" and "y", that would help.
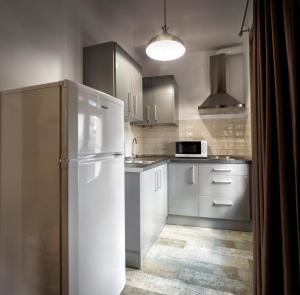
{"x": 155, "y": 113}
{"x": 155, "y": 181}
{"x": 223, "y": 203}
{"x": 134, "y": 105}
{"x": 193, "y": 174}
{"x": 221, "y": 170}
{"x": 148, "y": 113}
{"x": 129, "y": 104}
{"x": 222, "y": 181}
{"x": 159, "y": 179}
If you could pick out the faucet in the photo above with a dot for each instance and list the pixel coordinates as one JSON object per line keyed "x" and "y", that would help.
{"x": 133, "y": 155}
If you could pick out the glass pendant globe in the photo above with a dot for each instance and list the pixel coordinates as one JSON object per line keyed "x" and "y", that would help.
{"x": 165, "y": 47}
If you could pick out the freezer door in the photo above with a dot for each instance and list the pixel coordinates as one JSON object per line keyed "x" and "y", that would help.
{"x": 97, "y": 227}
{"x": 95, "y": 122}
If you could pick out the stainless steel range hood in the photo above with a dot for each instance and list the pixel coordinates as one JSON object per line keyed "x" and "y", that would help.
{"x": 219, "y": 101}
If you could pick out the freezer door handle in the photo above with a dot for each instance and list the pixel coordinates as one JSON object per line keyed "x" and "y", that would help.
{"x": 87, "y": 159}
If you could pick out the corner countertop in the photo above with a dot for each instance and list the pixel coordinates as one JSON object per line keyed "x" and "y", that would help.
{"x": 160, "y": 160}
{"x": 215, "y": 160}
{"x": 156, "y": 161}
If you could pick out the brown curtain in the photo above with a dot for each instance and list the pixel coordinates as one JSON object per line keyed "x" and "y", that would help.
{"x": 275, "y": 78}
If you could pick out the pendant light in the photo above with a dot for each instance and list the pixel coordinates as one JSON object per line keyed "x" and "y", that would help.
{"x": 165, "y": 46}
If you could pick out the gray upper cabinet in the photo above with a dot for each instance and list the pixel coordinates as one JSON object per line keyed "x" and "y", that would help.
{"x": 108, "y": 68}
{"x": 123, "y": 80}
{"x": 160, "y": 101}
{"x": 137, "y": 91}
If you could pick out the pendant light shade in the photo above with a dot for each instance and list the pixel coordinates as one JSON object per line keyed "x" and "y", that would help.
{"x": 165, "y": 46}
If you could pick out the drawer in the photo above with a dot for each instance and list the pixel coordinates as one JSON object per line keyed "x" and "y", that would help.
{"x": 226, "y": 169}
{"x": 223, "y": 185}
{"x": 228, "y": 208}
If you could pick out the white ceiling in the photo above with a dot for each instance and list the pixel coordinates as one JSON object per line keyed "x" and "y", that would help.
{"x": 201, "y": 24}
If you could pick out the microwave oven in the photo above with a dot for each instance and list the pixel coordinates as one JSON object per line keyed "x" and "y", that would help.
{"x": 191, "y": 149}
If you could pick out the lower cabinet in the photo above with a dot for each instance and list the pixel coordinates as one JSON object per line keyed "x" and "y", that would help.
{"x": 216, "y": 191}
{"x": 183, "y": 189}
{"x": 146, "y": 211}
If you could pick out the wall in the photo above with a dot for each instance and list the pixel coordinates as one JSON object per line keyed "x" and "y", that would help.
{"x": 40, "y": 42}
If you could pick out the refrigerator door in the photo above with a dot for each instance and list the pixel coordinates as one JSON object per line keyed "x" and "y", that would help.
{"x": 95, "y": 122}
{"x": 96, "y": 226}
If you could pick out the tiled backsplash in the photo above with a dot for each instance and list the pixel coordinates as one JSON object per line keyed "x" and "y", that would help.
{"x": 225, "y": 136}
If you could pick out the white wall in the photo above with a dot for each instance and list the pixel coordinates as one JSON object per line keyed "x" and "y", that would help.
{"x": 40, "y": 42}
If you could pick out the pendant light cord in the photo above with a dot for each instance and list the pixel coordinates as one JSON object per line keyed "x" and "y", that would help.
{"x": 165, "y": 28}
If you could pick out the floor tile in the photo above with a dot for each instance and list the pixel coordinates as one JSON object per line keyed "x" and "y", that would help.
{"x": 189, "y": 260}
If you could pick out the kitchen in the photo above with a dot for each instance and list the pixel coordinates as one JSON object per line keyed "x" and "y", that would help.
{"x": 141, "y": 167}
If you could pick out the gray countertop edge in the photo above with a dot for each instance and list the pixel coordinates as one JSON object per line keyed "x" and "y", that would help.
{"x": 214, "y": 161}
{"x": 137, "y": 168}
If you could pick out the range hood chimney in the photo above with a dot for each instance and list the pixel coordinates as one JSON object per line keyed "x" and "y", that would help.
{"x": 219, "y": 101}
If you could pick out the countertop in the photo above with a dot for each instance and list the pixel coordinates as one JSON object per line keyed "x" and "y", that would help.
{"x": 160, "y": 160}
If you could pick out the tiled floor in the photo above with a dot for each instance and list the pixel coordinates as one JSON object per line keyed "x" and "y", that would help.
{"x": 190, "y": 260}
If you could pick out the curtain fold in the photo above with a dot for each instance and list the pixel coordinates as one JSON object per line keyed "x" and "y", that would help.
{"x": 275, "y": 91}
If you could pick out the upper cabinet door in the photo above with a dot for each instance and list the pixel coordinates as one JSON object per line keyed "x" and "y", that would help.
{"x": 123, "y": 81}
{"x": 163, "y": 94}
{"x": 160, "y": 101}
{"x": 148, "y": 100}
{"x": 137, "y": 91}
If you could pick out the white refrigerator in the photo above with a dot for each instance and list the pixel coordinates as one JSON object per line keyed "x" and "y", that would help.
{"x": 62, "y": 223}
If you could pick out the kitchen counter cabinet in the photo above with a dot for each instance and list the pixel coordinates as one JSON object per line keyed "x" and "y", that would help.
{"x": 145, "y": 211}
{"x": 183, "y": 189}
{"x": 211, "y": 192}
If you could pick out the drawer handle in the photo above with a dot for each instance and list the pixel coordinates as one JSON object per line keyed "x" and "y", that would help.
{"x": 222, "y": 181}
{"x": 224, "y": 203}
{"x": 221, "y": 170}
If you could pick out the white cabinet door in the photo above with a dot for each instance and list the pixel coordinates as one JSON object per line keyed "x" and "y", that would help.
{"x": 183, "y": 189}
{"x": 148, "y": 209}
{"x": 153, "y": 205}
{"x": 163, "y": 192}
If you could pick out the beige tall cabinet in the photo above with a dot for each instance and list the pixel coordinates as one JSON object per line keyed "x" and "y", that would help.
{"x": 108, "y": 68}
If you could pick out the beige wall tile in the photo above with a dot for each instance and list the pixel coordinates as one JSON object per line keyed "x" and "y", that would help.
{"x": 225, "y": 136}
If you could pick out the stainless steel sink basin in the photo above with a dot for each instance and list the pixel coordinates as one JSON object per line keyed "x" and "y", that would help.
{"x": 137, "y": 161}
